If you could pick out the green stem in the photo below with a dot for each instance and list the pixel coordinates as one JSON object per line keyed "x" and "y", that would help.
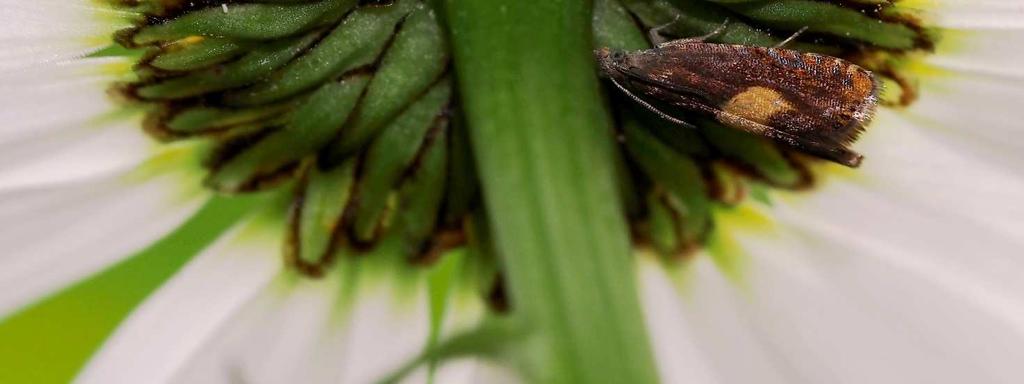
{"x": 543, "y": 141}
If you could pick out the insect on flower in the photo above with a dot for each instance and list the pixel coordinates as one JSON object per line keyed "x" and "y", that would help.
{"x": 814, "y": 103}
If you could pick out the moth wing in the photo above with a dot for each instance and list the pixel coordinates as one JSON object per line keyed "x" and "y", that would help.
{"x": 818, "y": 104}
{"x": 749, "y": 121}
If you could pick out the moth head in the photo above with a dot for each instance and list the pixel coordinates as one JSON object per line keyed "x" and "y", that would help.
{"x": 608, "y": 60}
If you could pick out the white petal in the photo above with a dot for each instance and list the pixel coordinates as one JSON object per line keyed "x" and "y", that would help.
{"x": 282, "y": 335}
{"x": 53, "y": 236}
{"x": 206, "y": 326}
{"x": 680, "y": 359}
{"x": 972, "y": 13}
{"x": 974, "y": 114}
{"x": 473, "y": 370}
{"x": 815, "y": 319}
{"x": 851, "y": 288}
{"x": 382, "y": 331}
{"x": 173, "y": 326}
{"x": 851, "y": 307}
{"x": 61, "y": 126}
{"x": 492, "y": 373}
{"x": 905, "y": 270}
{"x": 464, "y": 370}
{"x": 977, "y": 52}
{"x": 733, "y": 350}
{"x": 957, "y": 172}
{"x": 42, "y": 31}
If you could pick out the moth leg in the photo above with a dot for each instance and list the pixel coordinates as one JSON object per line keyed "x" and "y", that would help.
{"x": 791, "y": 37}
{"x": 654, "y": 34}
{"x": 660, "y": 41}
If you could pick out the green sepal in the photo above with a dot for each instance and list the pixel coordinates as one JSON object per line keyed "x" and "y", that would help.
{"x": 421, "y": 194}
{"x": 831, "y": 19}
{"x": 416, "y": 59}
{"x": 685, "y": 140}
{"x": 356, "y": 42}
{"x": 752, "y": 151}
{"x": 463, "y": 184}
{"x": 661, "y": 228}
{"x": 315, "y": 226}
{"x": 245, "y": 21}
{"x": 309, "y": 127}
{"x": 677, "y": 173}
{"x": 191, "y": 56}
{"x": 694, "y": 18}
{"x": 198, "y": 120}
{"x": 388, "y": 157}
{"x": 257, "y": 64}
{"x": 730, "y": 187}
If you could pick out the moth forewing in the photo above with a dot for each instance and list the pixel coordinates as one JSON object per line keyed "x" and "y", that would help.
{"x": 814, "y": 103}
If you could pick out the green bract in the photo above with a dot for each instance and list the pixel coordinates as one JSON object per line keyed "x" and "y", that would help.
{"x": 350, "y": 100}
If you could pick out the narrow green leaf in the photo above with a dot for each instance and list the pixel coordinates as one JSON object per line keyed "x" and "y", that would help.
{"x": 544, "y": 148}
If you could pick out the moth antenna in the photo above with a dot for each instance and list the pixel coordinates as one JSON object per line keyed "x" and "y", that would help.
{"x": 650, "y": 107}
{"x": 791, "y": 37}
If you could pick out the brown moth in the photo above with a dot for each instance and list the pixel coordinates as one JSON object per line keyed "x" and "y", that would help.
{"x": 814, "y": 103}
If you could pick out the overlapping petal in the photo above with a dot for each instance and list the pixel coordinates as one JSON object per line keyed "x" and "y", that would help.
{"x": 906, "y": 270}
{"x": 269, "y": 326}
{"x": 820, "y": 304}
{"x": 81, "y": 186}
{"x": 62, "y": 125}
{"x": 173, "y": 327}
{"x": 47, "y": 31}
{"x": 973, "y": 14}
{"x": 53, "y": 237}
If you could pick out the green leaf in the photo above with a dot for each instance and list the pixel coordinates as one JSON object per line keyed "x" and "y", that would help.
{"x": 544, "y": 147}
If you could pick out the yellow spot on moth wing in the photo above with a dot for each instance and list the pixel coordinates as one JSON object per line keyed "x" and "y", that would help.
{"x": 757, "y": 104}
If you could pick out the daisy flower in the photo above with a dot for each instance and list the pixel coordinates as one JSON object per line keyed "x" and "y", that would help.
{"x": 441, "y": 191}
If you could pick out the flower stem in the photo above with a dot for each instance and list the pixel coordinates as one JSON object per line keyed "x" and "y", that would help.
{"x": 543, "y": 142}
